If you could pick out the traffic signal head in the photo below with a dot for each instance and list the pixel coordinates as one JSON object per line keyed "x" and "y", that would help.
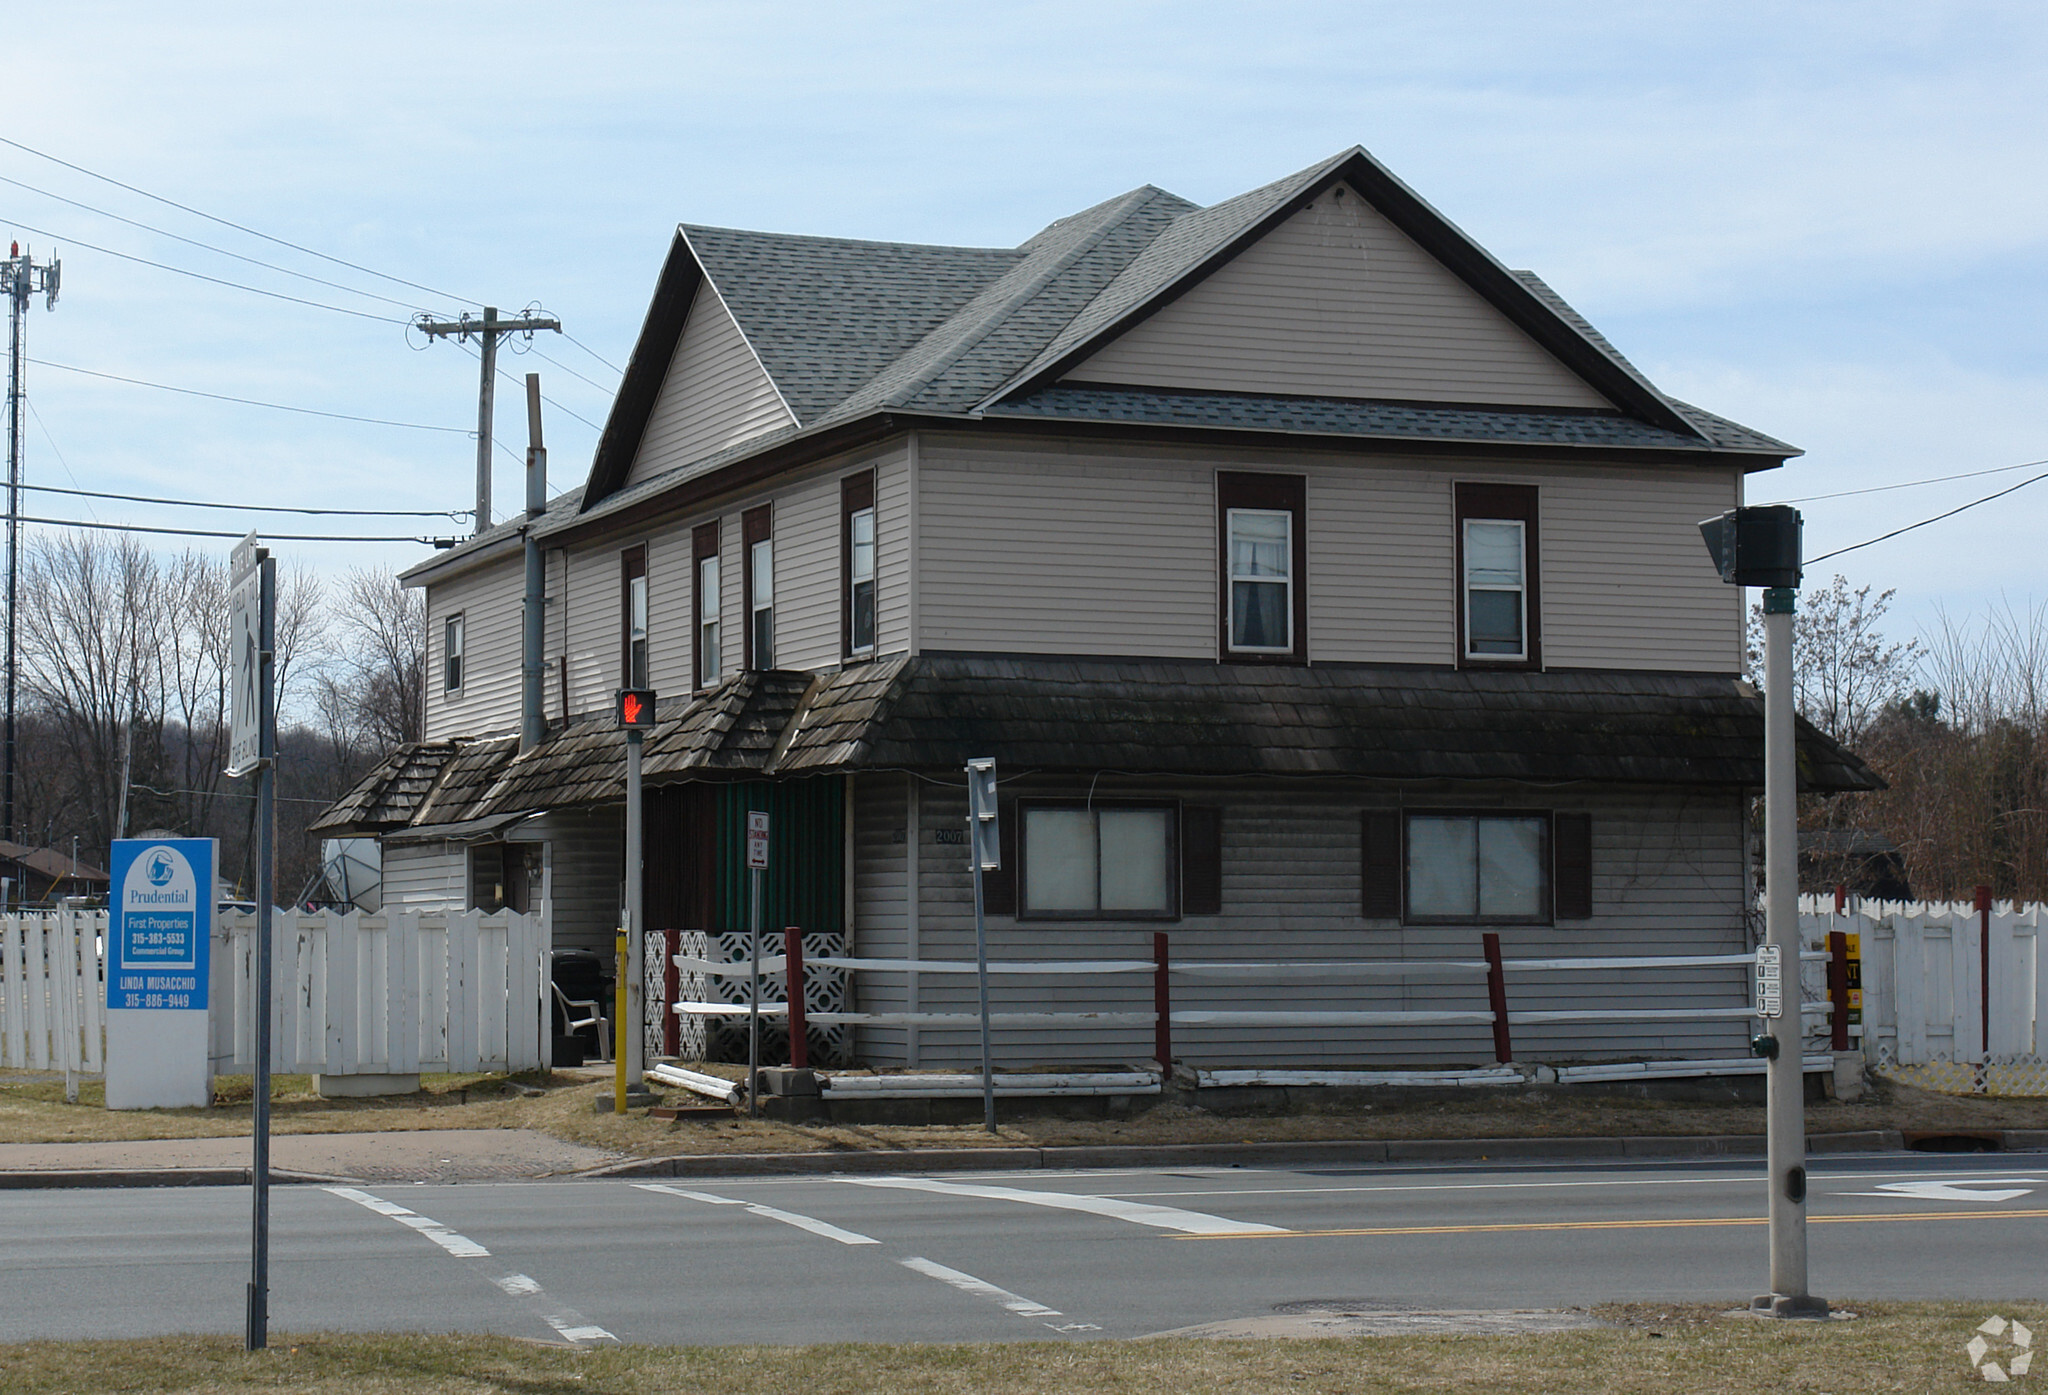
{"x": 635, "y": 708}
{"x": 1755, "y": 546}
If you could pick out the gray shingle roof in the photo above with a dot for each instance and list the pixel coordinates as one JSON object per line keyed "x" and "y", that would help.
{"x": 849, "y": 329}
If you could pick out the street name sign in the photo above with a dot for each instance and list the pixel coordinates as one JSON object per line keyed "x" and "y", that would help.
{"x": 159, "y": 943}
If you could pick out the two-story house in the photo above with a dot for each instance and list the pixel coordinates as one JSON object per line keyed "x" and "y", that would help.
{"x": 1324, "y": 590}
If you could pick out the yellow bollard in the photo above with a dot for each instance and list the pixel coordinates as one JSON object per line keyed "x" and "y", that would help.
{"x": 618, "y": 1027}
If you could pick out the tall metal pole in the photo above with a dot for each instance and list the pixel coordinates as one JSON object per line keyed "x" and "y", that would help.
{"x": 984, "y": 852}
{"x": 1785, "y": 1108}
{"x": 988, "y": 1077}
{"x": 634, "y": 1048}
{"x": 257, "y": 1336}
{"x": 754, "y": 996}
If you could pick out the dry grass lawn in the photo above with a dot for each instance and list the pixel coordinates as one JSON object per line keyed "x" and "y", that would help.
{"x": 1888, "y": 1347}
{"x": 32, "y": 1110}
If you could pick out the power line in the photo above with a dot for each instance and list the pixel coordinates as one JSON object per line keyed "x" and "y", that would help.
{"x": 238, "y": 227}
{"x": 537, "y": 353}
{"x": 1925, "y": 521}
{"x": 248, "y": 401}
{"x": 209, "y": 533}
{"x": 1914, "y": 484}
{"x": 252, "y": 508}
{"x": 593, "y": 353}
{"x": 208, "y": 246}
{"x": 543, "y": 397}
{"x": 202, "y": 276}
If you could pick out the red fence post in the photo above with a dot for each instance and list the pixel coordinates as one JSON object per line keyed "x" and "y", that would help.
{"x": 1838, "y": 990}
{"x": 1841, "y": 898}
{"x": 671, "y": 993}
{"x": 1497, "y": 997}
{"x": 1984, "y": 962}
{"x": 799, "y": 1044}
{"x": 1162, "y": 1007}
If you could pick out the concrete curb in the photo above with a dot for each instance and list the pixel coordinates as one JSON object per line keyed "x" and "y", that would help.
{"x": 45, "y": 1179}
{"x": 1340, "y": 1152}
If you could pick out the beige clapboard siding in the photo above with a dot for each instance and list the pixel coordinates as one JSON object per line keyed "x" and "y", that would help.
{"x": 880, "y": 873}
{"x": 425, "y": 876}
{"x": 892, "y": 552}
{"x": 671, "y": 610}
{"x": 714, "y": 396}
{"x": 489, "y": 600}
{"x": 807, "y": 572}
{"x": 1338, "y": 302}
{"x": 585, "y": 861}
{"x": 1668, "y": 880}
{"x": 1093, "y": 550}
{"x": 590, "y": 610}
{"x": 1040, "y": 551}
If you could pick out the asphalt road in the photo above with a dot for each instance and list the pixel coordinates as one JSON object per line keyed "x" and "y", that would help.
{"x": 999, "y": 1256}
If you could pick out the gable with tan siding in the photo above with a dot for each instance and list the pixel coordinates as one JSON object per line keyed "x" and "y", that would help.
{"x": 716, "y": 394}
{"x": 1338, "y": 302}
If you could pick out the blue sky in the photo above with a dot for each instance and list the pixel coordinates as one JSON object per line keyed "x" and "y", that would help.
{"x": 1827, "y": 221}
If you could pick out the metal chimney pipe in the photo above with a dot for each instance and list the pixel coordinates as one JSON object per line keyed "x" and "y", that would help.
{"x": 532, "y": 667}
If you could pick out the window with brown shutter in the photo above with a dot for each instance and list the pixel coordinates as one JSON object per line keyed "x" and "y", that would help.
{"x": 1262, "y": 562}
{"x": 1571, "y": 842}
{"x": 1380, "y": 864}
{"x": 633, "y": 617}
{"x": 757, "y": 562}
{"x": 706, "y": 662}
{"x": 857, "y": 565}
{"x": 1499, "y": 611}
{"x": 1201, "y": 860}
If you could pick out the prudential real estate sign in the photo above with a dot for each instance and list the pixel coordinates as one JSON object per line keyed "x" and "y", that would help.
{"x": 161, "y": 923}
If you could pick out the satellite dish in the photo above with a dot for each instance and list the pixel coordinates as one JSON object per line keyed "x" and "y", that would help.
{"x": 354, "y": 868}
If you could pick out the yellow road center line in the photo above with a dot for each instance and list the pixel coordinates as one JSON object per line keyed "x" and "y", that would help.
{"x": 1672, "y": 1224}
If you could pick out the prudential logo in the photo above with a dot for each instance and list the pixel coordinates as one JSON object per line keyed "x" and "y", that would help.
{"x": 161, "y": 868}
{"x": 2001, "y": 1350}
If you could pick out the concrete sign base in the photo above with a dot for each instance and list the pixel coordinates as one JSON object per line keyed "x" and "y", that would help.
{"x": 156, "y": 1059}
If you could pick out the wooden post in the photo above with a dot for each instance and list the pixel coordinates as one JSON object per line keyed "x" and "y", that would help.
{"x": 1497, "y": 998}
{"x": 1162, "y": 1008}
{"x": 793, "y": 993}
{"x": 1984, "y": 965}
{"x": 1838, "y": 990}
{"x": 1841, "y": 899}
{"x": 671, "y": 993}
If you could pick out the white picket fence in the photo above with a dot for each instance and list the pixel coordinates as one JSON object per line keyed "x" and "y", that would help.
{"x": 389, "y": 994}
{"x": 1923, "y": 975}
{"x": 52, "y": 996}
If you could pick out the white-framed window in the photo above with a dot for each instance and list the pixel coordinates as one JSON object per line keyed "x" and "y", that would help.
{"x": 860, "y": 581}
{"x": 707, "y": 620}
{"x": 1478, "y": 867}
{"x": 1099, "y": 862}
{"x": 1496, "y": 589}
{"x": 451, "y": 654}
{"x": 1260, "y": 550}
{"x": 761, "y": 597}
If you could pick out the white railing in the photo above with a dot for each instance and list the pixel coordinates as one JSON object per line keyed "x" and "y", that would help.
{"x": 53, "y": 999}
{"x": 1490, "y": 1006}
{"x": 1924, "y": 968}
{"x": 390, "y": 994}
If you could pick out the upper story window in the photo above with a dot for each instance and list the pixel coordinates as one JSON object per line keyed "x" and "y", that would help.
{"x": 1117, "y": 861}
{"x": 1498, "y": 616}
{"x": 633, "y": 617}
{"x": 1263, "y": 557}
{"x": 704, "y": 551}
{"x": 757, "y": 537}
{"x": 451, "y": 654}
{"x": 857, "y": 542}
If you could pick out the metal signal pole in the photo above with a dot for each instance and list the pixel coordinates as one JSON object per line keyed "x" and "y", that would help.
{"x": 488, "y": 331}
{"x": 20, "y": 278}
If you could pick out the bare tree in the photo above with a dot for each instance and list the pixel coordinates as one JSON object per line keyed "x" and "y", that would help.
{"x": 382, "y": 638}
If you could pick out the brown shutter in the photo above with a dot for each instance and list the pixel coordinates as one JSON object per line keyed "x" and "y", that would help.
{"x": 999, "y": 889}
{"x": 1201, "y": 859}
{"x": 1571, "y": 841}
{"x": 1380, "y": 864}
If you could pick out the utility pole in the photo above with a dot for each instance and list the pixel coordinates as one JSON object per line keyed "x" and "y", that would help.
{"x": 487, "y": 332}
{"x": 20, "y": 278}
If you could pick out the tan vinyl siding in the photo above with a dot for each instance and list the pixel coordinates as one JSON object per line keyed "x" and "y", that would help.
{"x": 489, "y": 601}
{"x": 1668, "y": 879}
{"x": 880, "y": 873}
{"x": 892, "y": 553}
{"x": 715, "y": 395}
{"x": 425, "y": 876}
{"x": 1042, "y": 551}
{"x": 671, "y": 613}
{"x": 1338, "y": 302}
{"x": 591, "y": 616}
{"x": 1034, "y": 549}
{"x": 807, "y": 567}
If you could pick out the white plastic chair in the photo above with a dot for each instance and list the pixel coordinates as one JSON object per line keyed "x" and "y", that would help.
{"x": 574, "y": 1024}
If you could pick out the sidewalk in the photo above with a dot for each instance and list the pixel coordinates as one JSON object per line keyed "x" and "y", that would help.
{"x": 497, "y": 1155}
